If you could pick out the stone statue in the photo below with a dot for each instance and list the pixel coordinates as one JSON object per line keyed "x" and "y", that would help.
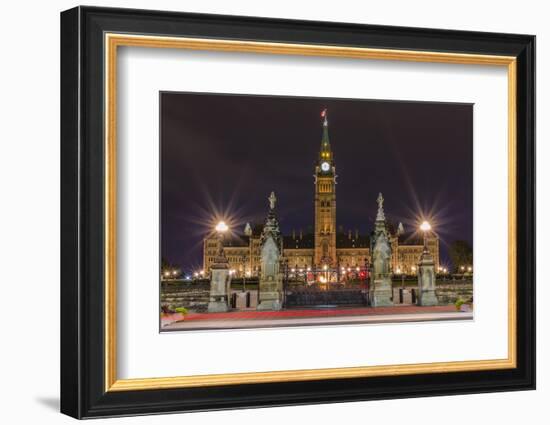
{"x": 381, "y": 256}
{"x": 272, "y": 200}
{"x": 270, "y": 260}
{"x": 380, "y": 215}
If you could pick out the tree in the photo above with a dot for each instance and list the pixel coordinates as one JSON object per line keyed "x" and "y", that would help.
{"x": 461, "y": 254}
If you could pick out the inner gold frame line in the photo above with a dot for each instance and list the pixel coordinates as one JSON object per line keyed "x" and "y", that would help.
{"x": 113, "y": 40}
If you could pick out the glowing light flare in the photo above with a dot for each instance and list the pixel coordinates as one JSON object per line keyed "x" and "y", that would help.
{"x": 425, "y": 226}
{"x": 440, "y": 215}
{"x": 221, "y": 227}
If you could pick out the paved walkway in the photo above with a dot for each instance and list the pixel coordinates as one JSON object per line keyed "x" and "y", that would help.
{"x": 316, "y": 316}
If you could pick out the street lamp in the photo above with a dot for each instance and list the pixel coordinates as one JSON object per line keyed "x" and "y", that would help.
{"x": 221, "y": 228}
{"x": 400, "y": 273}
{"x": 425, "y": 227}
{"x": 245, "y": 274}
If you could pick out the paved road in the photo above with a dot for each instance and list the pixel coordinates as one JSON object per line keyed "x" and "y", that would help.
{"x": 310, "y": 321}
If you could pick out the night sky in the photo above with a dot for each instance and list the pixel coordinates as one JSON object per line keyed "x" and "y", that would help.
{"x": 221, "y": 156}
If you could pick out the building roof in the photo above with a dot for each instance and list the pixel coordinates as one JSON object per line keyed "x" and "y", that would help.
{"x": 236, "y": 240}
{"x": 410, "y": 238}
{"x": 307, "y": 241}
{"x": 352, "y": 240}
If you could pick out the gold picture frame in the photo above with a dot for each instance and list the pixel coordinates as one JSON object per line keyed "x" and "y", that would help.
{"x": 114, "y": 41}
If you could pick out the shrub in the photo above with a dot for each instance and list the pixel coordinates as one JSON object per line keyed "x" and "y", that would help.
{"x": 458, "y": 303}
{"x": 182, "y": 310}
{"x": 166, "y": 309}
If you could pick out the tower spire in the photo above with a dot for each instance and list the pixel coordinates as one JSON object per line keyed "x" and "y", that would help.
{"x": 325, "y": 201}
{"x": 325, "y": 142}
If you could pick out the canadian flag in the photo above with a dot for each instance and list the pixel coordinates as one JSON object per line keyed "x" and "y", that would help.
{"x": 324, "y": 113}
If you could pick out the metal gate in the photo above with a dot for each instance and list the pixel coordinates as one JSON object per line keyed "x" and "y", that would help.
{"x": 311, "y": 297}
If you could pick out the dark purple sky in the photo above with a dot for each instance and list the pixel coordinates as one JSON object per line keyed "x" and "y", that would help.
{"x": 221, "y": 155}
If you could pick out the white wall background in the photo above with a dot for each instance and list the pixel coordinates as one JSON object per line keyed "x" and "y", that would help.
{"x": 29, "y": 212}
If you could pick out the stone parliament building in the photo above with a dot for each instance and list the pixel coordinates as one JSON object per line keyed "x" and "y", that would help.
{"x": 326, "y": 247}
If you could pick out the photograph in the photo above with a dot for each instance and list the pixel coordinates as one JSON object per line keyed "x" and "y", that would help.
{"x": 284, "y": 211}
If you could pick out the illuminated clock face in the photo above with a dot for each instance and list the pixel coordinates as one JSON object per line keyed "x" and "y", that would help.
{"x": 325, "y": 166}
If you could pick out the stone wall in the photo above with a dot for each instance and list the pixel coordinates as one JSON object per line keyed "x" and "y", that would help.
{"x": 447, "y": 291}
{"x": 192, "y": 296}
{"x": 195, "y": 296}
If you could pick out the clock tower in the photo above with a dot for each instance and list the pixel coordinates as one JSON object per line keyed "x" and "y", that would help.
{"x": 325, "y": 202}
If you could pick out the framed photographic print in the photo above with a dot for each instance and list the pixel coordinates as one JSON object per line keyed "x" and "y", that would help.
{"x": 261, "y": 212}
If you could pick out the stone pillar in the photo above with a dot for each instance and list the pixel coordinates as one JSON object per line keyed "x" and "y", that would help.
{"x": 381, "y": 284}
{"x": 426, "y": 279}
{"x": 271, "y": 282}
{"x": 220, "y": 281}
{"x": 270, "y": 293}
